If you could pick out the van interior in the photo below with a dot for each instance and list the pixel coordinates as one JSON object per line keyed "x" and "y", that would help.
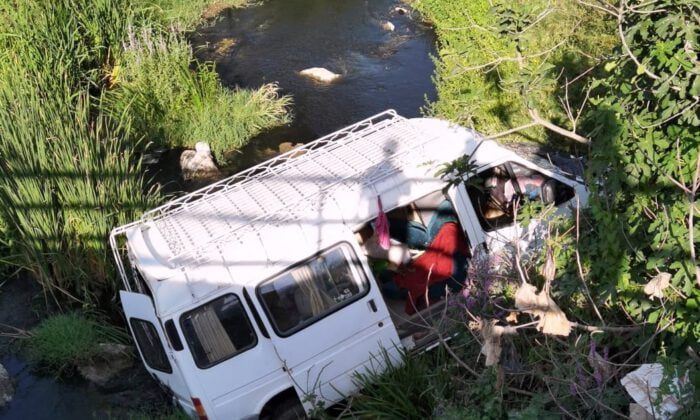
{"x": 494, "y": 191}
{"x": 426, "y": 258}
{"x": 424, "y": 263}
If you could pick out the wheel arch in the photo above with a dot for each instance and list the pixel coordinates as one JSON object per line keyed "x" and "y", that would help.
{"x": 274, "y": 399}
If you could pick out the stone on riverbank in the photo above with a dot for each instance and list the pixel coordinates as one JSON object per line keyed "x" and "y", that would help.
{"x": 286, "y": 146}
{"x": 320, "y": 74}
{"x": 111, "y": 360}
{"x": 388, "y": 26}
{"x": 199, "y": 164}
{"x": 7, "y": 387}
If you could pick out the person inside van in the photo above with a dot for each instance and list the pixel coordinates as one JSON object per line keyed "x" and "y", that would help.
{"x": 440, "y": 256}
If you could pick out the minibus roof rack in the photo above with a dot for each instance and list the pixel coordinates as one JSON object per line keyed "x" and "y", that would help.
{"x": 279, "y": 189}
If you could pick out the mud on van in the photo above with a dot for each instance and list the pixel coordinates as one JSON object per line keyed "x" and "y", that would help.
{"x": 283, "y": 280}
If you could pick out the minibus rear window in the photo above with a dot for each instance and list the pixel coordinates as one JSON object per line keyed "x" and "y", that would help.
{"x": 217, "y": 331}
{"x": 313, "y": 289}
{"x": 151, "y": 347}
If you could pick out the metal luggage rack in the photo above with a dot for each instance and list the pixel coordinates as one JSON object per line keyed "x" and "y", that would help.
{"x": 359, "y": 129}
{"x": 190, "y": 239}
{"x": 362, "y": 147}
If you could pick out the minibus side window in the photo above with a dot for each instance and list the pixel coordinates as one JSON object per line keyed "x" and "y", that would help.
{"x": 217, "y": 331}
{"x": 313, "y": 289}
{"x": 150, "y": 345}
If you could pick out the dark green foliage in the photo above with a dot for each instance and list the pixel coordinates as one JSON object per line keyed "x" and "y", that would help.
{"x": 410, "y": 389}
{"x": 647, "y": 129}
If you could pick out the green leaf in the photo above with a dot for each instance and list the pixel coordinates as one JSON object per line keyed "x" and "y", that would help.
{"x": 641, "y": 69}
{"x": 653, "y": 317}
{"x": 610, "y": 66}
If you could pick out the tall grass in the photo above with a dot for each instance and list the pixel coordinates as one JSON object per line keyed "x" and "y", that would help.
{"x": 66, "y": 179}
{"x": 72, "y": 128}
{"x": 66, "y": 174}
{"x": 175, "y": 106}
{"x": 65, "y": 41}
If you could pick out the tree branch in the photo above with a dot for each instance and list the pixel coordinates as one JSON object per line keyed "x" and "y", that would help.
{"x": 559, "y": 130}
{"x": 500, "y": 60}
{"x": 621, "y": 33}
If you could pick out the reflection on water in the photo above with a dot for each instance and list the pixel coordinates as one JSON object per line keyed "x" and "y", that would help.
{"x": 272, "y": 42}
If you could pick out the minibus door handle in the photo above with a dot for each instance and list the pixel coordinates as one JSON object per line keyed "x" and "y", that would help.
{"x": 372, "y": 305}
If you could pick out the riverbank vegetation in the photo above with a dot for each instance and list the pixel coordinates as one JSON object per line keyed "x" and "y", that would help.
{"x": 173, "y": 106}
{"x": 624, "y": 273}
{"x": 500, "y": 61}
{"x": 83, "y": 95}
{"x": 185, "y": 15}
{"x": 63, "y": 342}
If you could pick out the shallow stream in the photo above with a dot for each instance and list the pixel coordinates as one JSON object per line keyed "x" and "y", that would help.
{"x": 274, "y": 41}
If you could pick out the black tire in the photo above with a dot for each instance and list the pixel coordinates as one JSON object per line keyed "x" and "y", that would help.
{"x": 289, "y": 409}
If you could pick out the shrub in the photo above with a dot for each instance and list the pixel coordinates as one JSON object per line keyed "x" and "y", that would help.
{"x": 62, "y": 342}
{"x": 646, "y": 164}
{"x": 174, "y": 106}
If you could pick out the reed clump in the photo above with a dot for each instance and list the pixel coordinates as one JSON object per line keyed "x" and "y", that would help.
{"x": 61, "y": 342}
{"x": 175, "y": 101}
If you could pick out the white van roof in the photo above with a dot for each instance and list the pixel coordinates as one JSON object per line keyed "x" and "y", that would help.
{"x": 261, "y": 220}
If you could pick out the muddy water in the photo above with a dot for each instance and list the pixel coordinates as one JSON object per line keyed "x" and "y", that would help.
{"x": 272, "y": 42}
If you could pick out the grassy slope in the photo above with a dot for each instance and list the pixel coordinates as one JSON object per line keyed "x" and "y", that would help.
{"x": 488, "y": 99}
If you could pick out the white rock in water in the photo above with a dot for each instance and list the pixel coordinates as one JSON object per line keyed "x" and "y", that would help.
{"x": 320, "y": 74}
{"x": 7, "y": 388}
{"x": 198, "y": 163}
{"x": 388, "y": 26}
{"x": 401, "y": 10}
